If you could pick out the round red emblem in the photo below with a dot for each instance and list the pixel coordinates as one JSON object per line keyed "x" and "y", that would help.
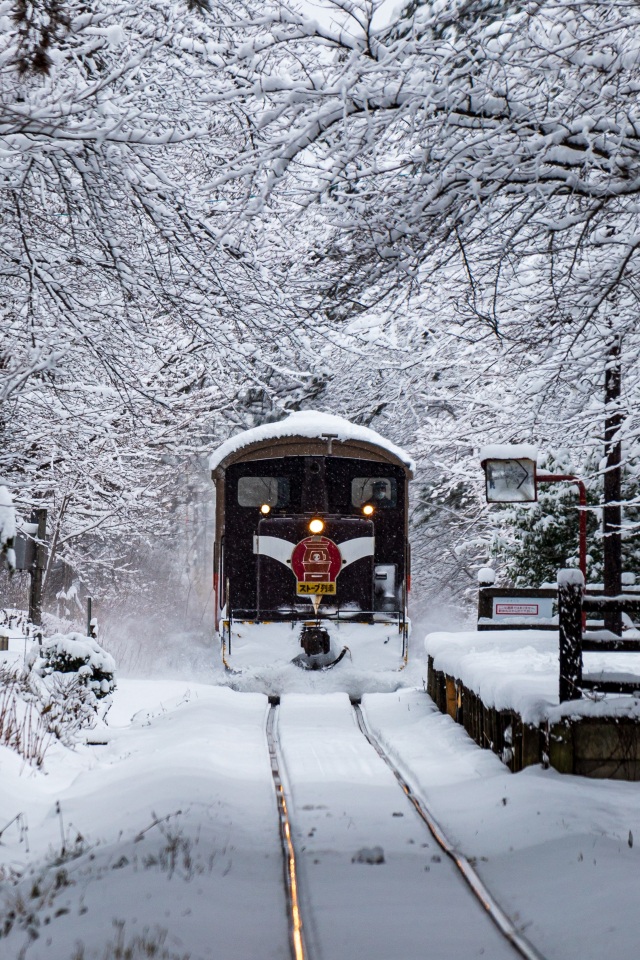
{"x": 316, "y": 560}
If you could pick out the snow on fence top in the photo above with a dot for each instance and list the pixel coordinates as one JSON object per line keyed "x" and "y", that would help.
{"x": 518, "y": 670}
{"x": 508, "y": 451}
{"x": 570, "y": 577}
{"x": 307, "y": 423}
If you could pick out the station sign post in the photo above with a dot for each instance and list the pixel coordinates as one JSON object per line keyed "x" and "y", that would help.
{"x": 512, "y": 477}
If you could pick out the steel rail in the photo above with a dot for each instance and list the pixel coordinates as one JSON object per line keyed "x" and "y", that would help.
{"x": 296, "y": 931}
{"x": 476, "y": 885}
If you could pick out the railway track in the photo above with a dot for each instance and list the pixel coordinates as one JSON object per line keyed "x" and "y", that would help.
{"x": 301, "y": 885}
{"x": 506, "y": 927}
{"x": 294, "y": 914}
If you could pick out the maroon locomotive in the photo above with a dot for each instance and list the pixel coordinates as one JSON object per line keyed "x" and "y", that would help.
{"x": 311, "y": 540}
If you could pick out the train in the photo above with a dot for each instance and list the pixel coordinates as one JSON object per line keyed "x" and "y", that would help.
{"x": 311, "y": 560}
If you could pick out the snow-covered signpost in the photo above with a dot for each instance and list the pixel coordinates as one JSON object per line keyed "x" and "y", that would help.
{"x": 512, "y": 477}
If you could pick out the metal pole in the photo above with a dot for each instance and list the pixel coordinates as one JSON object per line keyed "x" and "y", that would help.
{"x": 612, "y": 509}
{"x": 35, "y": 594}
{"x": 582, "y": 493}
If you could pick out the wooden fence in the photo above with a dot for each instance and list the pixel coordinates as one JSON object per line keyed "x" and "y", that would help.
{"x": 575, "y": 608}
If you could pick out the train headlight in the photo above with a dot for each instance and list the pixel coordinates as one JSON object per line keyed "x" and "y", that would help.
{"x": 265, "y": 509}
{"x": 316, "y": 525}
{"x": 368, "y": 509}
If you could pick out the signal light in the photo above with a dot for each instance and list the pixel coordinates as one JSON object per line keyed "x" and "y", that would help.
{"x": 316, "y": 525}
{"x": 368, "y": 509}
{"x": 265, "y": 509}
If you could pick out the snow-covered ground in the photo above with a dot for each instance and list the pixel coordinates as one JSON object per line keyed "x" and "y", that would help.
{"x": 557, "y": 851}
{"x": 167, "y": 833}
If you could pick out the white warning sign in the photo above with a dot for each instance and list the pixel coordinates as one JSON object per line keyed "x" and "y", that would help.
{"x": 534, "y": 608}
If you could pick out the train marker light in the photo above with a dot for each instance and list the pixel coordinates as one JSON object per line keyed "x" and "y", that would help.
{"x": 265, "y": 509}
{"x": 316, "y": 525}
{"x": 368, "y": 509}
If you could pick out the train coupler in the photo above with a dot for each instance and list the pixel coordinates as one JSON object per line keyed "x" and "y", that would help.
{"x": 315, "y": 640}
{"x": 319, "y": 661}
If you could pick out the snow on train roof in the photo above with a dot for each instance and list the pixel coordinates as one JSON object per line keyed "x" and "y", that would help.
{"x": 307, "y": 423}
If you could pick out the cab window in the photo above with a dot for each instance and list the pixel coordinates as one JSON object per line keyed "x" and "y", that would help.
{"x": 380, "y": 491}
{"x": 254, "y": 491}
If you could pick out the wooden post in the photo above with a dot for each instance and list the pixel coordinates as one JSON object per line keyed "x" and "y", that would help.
{"x": 612, "y": 510}
{"x": 451, "y": 696}
{"x": 431, "y": 679}
{"x": 570, "y": 591}
{"x": 35, "y": 594}
{"x": 485, "y": 605}
{"x": 486, "y": 578}
{"x": 561, "y": 747}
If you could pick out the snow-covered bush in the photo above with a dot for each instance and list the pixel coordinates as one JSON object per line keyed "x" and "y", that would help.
{"x": 75, "y": 678}
{"x": 64, "y": 690}
{"x": 23, "y": 727}
{"x": 76, "y": 654}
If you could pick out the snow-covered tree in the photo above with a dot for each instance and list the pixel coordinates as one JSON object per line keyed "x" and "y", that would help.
{"x": 134, "y": 315}
{"x": 215, "y": 214}
{"x": 484, "y": 145}
{"x": 491, "y": 148}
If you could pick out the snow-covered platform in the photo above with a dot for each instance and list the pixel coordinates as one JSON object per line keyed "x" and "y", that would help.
{"x": 502, "y": 685}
